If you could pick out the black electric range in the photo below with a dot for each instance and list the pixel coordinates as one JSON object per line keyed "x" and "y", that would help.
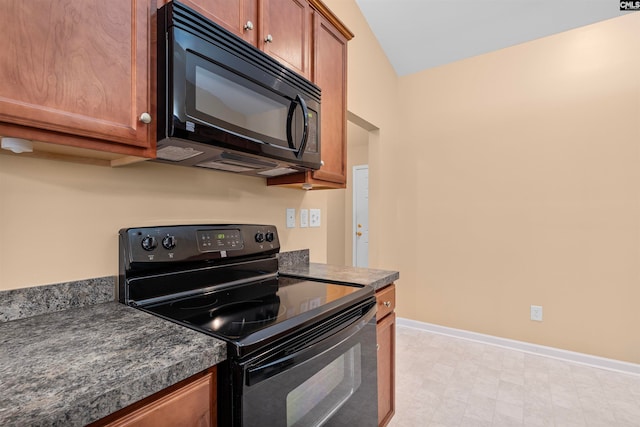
{"x": 223, "y": 280}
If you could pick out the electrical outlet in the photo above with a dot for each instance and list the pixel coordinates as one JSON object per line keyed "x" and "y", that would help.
{"x": 291, "y": 218}
{"x": 536, "y": 313}
{"x": 304, "y": 218}
{"x": 314, "y": 217}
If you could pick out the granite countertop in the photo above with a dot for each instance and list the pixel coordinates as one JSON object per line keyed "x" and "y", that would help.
{"x": 70, "y": 355}
{"x": 73, "y": 367}
{"x": 339, "y": 273}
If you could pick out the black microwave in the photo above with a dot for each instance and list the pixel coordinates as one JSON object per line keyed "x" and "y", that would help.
{"x": 225, "y": 105}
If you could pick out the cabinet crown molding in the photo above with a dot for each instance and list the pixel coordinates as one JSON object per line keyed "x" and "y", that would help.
{"x": 337, "y": 23}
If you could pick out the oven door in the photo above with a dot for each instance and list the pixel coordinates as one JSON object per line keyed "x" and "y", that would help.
{"x": 329, "y": 381}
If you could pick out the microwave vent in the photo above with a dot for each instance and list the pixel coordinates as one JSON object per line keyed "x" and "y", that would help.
{"x": 237, "y": 163}
{"x": 177, "y": 154}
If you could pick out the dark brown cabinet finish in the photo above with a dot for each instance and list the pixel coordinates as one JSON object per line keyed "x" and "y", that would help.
{"x": 77, "y": 73}
{"x": 386, "y": 334}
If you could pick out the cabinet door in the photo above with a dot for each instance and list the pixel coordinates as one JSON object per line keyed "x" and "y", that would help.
{"x": 285, "y": 32}
{"x": 238, "y": 16}
{"x": 386, "y": 332}
{"x": 190, "y": 405}
{"x": 330, "y": 73}
{"x": 78, "y": 68}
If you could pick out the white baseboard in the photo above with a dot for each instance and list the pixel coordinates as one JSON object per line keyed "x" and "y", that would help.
{"x": 556, "y": 353}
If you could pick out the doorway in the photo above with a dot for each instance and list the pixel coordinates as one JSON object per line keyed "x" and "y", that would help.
{"x": 361, "y": 216}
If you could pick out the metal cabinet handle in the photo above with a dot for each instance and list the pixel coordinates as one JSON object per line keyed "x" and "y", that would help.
{"x": 321, "y": 162}
{"x": 145, "y": 118}
{"x": 358, "y": 233}
{"x": 248, "y": 26}
{"x": 387, "y": 304}
{"x": 268, "y": 39}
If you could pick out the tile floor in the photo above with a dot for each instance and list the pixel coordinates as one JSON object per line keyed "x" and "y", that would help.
{"x": 446, "y": 381}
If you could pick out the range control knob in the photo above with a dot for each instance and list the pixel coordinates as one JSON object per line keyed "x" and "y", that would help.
{"x": 269, "y": 236}
{"x": 259, "y": 237}
{"x": 149, "y": 243}
{"x": 169, "y": 242}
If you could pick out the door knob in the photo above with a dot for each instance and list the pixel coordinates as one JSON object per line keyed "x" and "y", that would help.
{"x": 248, "y": 26}
{"x": 268, "y": 39}
{"x": 145, "y": 118}
{"x": 358, "y": 234}
{"x": 359, "y": 225}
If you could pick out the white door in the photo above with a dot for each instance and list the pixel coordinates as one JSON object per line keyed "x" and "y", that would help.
{"x": 361, "y": 216}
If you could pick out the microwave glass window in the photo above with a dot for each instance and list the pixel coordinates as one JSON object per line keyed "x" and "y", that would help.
{"x": 319, "y": 397}
{"x": 219, "y": 97}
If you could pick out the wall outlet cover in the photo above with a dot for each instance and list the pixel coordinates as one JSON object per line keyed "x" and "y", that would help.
{"x": 291, "y": 218}
{"x": 536, "y": 313}
{"x": 314, "y": 217}
{"x": 304, "y": 218}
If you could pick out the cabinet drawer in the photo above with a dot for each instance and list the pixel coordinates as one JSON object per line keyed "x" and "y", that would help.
{"x": 386, "y": 301}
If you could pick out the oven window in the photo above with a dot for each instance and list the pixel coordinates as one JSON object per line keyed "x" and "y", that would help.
{"x": 223, "y": 99}
{"x": 319, "y": 397}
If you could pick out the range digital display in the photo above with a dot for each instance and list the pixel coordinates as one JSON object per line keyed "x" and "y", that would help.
{"x": 219, "y": 240}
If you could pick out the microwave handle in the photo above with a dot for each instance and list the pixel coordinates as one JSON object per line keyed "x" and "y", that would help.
{"x": 305, "y": 131}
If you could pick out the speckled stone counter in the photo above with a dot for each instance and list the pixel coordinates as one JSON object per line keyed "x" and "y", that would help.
{"x": 72, "y": 367}
{"x": 340, "y": 273}
{"x": 27, "y": 302}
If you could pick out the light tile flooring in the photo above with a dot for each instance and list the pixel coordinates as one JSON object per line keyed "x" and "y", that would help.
{"x": 446, "y": 381}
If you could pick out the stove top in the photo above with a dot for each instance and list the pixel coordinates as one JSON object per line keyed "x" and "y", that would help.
{"x": 238, "y": 312}
{"x": 223, "y": 280}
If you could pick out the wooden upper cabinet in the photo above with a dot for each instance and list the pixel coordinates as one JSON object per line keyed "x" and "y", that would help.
{"x": 280, "y": 28}
{"x": 77, "y": 73}
{"x": 238, "y": 16}
{"x": 285, "y": 32}
{"x": 329, "y": 72}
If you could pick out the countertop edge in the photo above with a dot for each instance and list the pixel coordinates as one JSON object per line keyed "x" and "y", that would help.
{"x": 344, "y": 274}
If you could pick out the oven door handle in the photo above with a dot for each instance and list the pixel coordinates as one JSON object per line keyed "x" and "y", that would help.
{"x": 267, "y": 370}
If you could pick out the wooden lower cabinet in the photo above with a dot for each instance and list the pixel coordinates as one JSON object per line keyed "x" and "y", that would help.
{"x": 191, "y": 402}
{"x": 386, "y": 334}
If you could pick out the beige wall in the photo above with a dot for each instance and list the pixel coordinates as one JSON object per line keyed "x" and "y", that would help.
{"x": 511, "y": 179}
{"x": 529, "y": 192}
{"x": 59, "y": 221}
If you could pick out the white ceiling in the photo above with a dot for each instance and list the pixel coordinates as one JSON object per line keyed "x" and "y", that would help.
{"x": 420, "y": 34}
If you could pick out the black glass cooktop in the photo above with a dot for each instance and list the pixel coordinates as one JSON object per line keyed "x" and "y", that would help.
{"x": 237, "y": 312}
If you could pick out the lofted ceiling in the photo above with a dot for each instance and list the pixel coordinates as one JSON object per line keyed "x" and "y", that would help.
{"x": 420, "y": 34}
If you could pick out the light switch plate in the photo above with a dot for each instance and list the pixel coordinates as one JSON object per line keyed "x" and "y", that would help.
{"x": 304, "y": 218}
{"x": 291, "y": 218}
{"x": 314, "y": 217}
